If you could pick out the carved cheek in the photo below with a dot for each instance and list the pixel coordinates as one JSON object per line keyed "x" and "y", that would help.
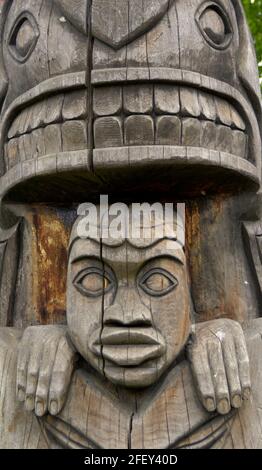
{"x": 171, "y": 316}
{"x": 84, "y": 315}
{"x": 206, "y": 40}
{"x": 33, "y": 45}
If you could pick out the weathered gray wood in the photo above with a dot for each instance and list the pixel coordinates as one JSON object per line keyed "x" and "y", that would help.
{"x": 168, "y": 130}
{"x": 53, "y": 139}
{"x": 108, "y": 132}
{"x": 123, "y": 22}
{"x": 167, "y": 99}
{"x": 191, "y": 132}
{"x": 9, "y": 259}
{"x": 139, "y": 130}
{"x": 107, "y": 100}
{"x": 145, "y": 100}
{"x": 74, "y": 135}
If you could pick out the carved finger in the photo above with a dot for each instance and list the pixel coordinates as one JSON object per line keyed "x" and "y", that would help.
{"x": 44, "y": 377}
{"x": 33, "y": 335}
{"x": 243, "y": 365}
{"x": 219, "y": 377}
{"x": 61, "y": 376}
{"x": 32, "y": 376}
{"x": 232, "y": 373}
{"x": 198, "y": 357}
{"x": 23, "y": 357}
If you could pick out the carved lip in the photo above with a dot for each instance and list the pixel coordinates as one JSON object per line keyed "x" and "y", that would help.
{"x": 128, "y": 347}
{"x": 131, "y": 356}
{"x": 130, "y": 335}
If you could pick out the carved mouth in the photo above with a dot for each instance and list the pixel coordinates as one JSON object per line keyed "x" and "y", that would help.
{"x": 177, "y": 116}
{"x": 143, "y": 115}
{"x": 167, "y": 115}
{"x": 127, "y": 116}
{"x": 131, "y": 356}
{"x": 129, "y": 347}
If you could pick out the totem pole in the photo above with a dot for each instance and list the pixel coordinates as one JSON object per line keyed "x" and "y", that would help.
{"x": 129, "y": 343}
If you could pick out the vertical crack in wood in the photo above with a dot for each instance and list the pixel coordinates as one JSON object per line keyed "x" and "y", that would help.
{"x": 90, "y": 118}
{"x": 178, "y": 35}
{"x": 129, "y": 443}
{"x": 102, "y": 305}
{"x": 147, "y": 59}
{"x": 51, "y": 9}
{"x": 179, "y": 62}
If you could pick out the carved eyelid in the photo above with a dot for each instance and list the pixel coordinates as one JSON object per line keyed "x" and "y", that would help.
{"x": 104, "y": 274}
{"x": 224, "y": 16}
{"x": 20, "y": 21}
{"x": 161, "y": 271}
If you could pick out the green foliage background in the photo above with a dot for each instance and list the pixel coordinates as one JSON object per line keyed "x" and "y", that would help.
{"x": 254, "y": 15}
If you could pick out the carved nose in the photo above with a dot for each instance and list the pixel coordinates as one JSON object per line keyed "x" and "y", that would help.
{"x": 129, "y": 311}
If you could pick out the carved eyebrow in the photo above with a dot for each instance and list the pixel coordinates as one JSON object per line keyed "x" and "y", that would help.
{"x": 164, "y": 255}
{"x": 110, "y": 253}
{"x": 106, "y": 261}
{"x": 75, "y": 240}
{"x": 86, "y": 257}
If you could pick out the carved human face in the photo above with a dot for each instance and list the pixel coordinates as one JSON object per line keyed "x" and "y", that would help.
{"x": 128, "y": 309}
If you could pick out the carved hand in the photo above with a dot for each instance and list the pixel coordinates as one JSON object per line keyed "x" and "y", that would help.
{"x": 46, "y": 361}
{"x": 220, "y": 364}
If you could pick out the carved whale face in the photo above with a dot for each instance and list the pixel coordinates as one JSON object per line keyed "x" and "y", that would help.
{"x": 80, "y": 78}
{"x": 128, "y": 307}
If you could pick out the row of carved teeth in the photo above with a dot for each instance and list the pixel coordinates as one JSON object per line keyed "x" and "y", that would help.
{"x": 112, "y": 131}
{"x": 52, "y": 110}
{"x": 165, "y": 99}
{"x": 53, "y": 139}
{"x": 127, "y": 100}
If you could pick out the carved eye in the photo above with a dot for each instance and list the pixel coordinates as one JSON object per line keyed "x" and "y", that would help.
{"x": 214, "y": 25}
{"x": 23, "y": 37}
{"x": 93, "y": 282}
{"x": 158, "y": 282}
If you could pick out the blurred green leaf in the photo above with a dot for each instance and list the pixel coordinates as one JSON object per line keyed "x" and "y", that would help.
{"x": 253, "y": 10}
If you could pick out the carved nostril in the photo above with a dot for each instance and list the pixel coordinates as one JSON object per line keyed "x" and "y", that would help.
{"x": 130, "y": 313}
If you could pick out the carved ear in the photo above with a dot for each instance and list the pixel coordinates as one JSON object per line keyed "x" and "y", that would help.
{"x": 119, "y": 22}
{"x": 77, "y": 12}
{"x": 4, "y": 8}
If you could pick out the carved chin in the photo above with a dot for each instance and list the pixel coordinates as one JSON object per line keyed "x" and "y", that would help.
{"x": 134, "y": 377}
{"x": 140, "y": 368}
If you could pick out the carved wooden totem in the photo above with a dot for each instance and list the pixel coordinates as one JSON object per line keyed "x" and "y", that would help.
{"x": 129, "y": 342}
